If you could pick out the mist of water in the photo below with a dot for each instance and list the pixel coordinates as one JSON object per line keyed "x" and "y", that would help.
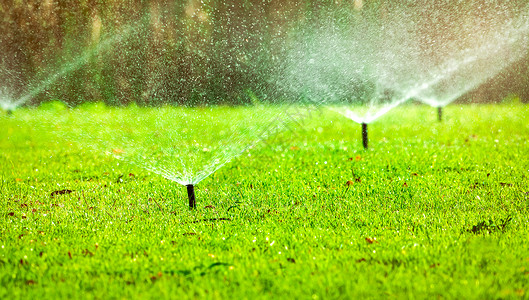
{"x": 360, "y": 62}
{"x": 182, "y": 144}
{"x": 351, "y": 62}
{"x": 54, "y": 72}
{"x": 492, "y": 51}
{"x": 364, "y": 63}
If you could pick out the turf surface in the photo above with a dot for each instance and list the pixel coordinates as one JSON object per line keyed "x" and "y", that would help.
{"x": 432, "y": 209}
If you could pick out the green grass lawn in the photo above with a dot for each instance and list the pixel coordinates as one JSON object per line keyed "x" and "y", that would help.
{"x": 432, "y": 209}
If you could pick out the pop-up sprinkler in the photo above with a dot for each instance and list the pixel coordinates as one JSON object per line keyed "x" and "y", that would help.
{"x": 440, "y": 113}
{"x": 364, "y": 135}
{"x": 191, "y": 196}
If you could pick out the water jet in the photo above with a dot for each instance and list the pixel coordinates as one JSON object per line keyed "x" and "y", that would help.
{"x": 195, "y": 142}
{"x": 365, "y": 64}
{"x": 460, "y": 70}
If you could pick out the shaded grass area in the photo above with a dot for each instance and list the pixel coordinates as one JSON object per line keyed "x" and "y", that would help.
{"x": 431, "y": 209}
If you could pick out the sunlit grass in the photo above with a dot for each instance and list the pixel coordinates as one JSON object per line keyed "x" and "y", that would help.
{"x": 431, "y": 209}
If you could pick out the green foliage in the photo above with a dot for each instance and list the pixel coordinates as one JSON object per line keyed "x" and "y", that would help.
{"x": 210, "y": 52}
{"x": 309, "y": 209}
{"x": 56, "y": 106}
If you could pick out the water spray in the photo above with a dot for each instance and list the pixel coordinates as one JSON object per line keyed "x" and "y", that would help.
{"x": 440, "y": 113}
{"x": 191, "y": 196}
{"x": 364, "y": 135}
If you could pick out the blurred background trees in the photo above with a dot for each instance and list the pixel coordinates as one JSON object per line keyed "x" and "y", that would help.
{"x": 190, "y": 52}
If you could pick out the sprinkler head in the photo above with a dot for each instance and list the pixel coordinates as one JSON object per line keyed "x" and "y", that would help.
{"x": 9, "y": 112}
{"x": 191, "y": 196}
{"x": 364, "y": 135}
{"x": 440, "y": 113}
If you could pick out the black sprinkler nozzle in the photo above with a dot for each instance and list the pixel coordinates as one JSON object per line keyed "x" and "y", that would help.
{"x": 364, "y": 135}
{"x": 439, "y": 113}
{"x": 191, "y": 196}
{"x": 9, "y": 112}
